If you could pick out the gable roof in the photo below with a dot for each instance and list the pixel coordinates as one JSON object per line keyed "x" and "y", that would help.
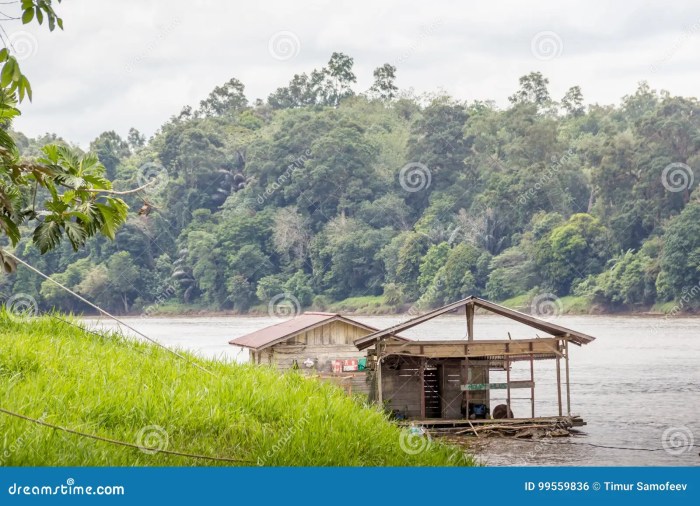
{"x": 575, "y": 337}
{"x": 268, "y": 336}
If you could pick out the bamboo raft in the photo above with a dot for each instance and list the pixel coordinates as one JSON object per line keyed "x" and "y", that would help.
{"x": 521, "y": 428}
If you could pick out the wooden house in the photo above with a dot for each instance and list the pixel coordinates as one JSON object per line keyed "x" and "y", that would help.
{"x": 447, "y": 381}
{"x": 320, "y": 344}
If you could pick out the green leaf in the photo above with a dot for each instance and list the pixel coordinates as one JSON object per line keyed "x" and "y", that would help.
{"x": 28, "y": 15}
{"x": 71, "y": 181}
{"x": 10, "y": 228}
{"x": 24, "y": 83}
{"x": 76, "y": 234}
{"x": 17, "y": 73}
{"x": 47, "y": 236}
{"x": 7, "y": 72}
{"x": 59, "y": 22}
{"x": 109, "y": 220}
{"x": 4, "y": 53}
{"x": 39, "y": 15}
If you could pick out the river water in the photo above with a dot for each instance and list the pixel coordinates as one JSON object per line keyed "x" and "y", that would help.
{"x": 637, "y": 385}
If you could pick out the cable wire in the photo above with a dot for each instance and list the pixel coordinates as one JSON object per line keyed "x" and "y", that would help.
{"x": 122, "y": 443}
{"x": 102, "y": 311}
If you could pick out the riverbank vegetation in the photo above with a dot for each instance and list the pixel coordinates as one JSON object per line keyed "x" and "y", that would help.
{"x": 325, "y": 196}
{"x": 137, "y": 393}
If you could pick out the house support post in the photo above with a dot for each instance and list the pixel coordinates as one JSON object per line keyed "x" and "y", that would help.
{"x": 380, "y": 400}
{"x": 532, "y": 382}
{"x": 422, "y": 387}
{"x": 559, "y": 382}
{"x": 470, "y": 321}
{"x": 507, "y": 364}
{"x": 568, "y": 389}
{"x": 467, "y": 382}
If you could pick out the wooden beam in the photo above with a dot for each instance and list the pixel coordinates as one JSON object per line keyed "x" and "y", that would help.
{"x": 476, "y": 348}
{"x": 466, "y": 362}
{"x": 559, "y": 385}
{"x": 470, "y": 321}
{"x": 532, "y": 380}
{"x": 422, "y": 387}
{"x": 380, "y": 400}
{"x": 508, "y": 387}
{"x": 473, "y": 387}
{"x": 412, "y": 322}
{"x": 568, "y": 390}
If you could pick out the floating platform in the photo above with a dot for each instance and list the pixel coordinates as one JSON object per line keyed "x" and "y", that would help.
{"x": 554, "y": 426}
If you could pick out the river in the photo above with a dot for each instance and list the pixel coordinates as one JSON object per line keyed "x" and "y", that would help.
{"x": 637, "y": 385}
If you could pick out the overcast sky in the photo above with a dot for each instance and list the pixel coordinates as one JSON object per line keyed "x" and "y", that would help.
{"x": 135, "y": 63}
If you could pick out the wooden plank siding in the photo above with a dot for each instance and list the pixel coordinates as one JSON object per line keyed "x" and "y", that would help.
{"x": 517, "y": 349}
{"x": 322, "y": 344}
{"x": 403, "y": 385}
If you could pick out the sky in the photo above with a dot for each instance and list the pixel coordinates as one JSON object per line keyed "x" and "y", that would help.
{"x": 135, "y": 63}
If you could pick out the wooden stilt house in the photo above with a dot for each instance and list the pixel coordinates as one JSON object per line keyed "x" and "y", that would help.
{"x": 447, "y": 381}
{"x": 320, "y": 344}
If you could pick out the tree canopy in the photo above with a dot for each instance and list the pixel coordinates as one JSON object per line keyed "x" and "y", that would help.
{"x": 324, "y": 192}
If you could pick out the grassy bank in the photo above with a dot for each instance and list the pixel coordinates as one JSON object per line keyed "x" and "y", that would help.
{"x": 569, "y": 304}
{"x": 134, "y": 392}
{"x": 372, "y": 305}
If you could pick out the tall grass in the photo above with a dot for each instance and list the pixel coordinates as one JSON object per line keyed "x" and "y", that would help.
{"x": 118, "y": 388}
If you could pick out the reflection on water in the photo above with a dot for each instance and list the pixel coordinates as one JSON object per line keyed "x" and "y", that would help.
{"x": 639, "y": 380}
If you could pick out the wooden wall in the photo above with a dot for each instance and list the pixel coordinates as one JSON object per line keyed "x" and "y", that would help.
{"x": 402, "y": 388}
{"x": 401, "y": 385}
{"x": 322, "y": 345}
{"x": 333, "y": 333}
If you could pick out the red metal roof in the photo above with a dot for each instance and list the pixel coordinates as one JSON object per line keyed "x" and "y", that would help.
{"x": 275, "y": 333}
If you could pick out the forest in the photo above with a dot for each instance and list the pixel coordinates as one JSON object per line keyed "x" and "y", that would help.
{"x": 322, "y": 195}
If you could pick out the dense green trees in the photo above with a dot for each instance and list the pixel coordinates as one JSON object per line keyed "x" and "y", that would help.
{"x": 302, "y": 198}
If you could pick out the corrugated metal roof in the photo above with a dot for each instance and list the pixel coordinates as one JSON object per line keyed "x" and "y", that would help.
{"x": 273, "y": 334}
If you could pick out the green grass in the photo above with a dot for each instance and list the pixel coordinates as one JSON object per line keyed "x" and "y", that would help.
{"x": 665, "y": 307}
{"x": 570, "y": 304}
{"x": 520, "y": 302}
{"x": 367, "y": 305}
{"x": 115, "y": 387}
{"x": 576, "y": 304}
